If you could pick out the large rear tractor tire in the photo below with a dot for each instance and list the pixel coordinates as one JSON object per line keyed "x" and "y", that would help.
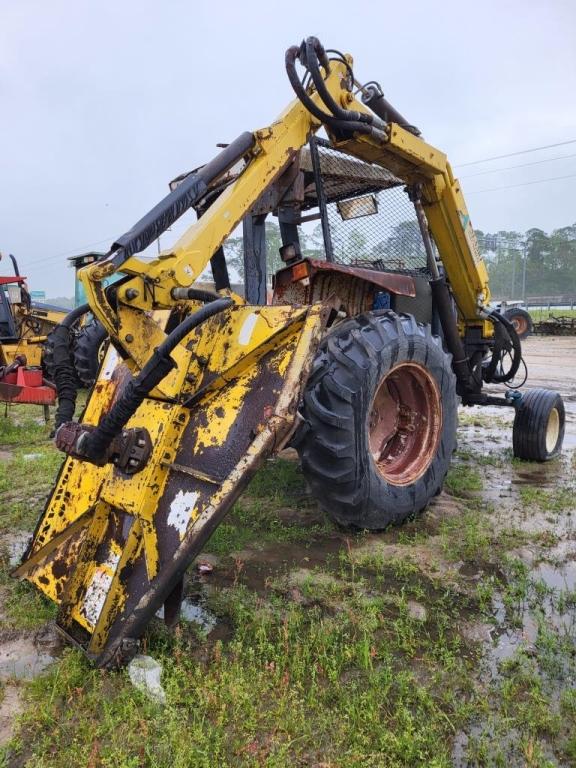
{"x": 89, "y": 349}
{"x": 521, "y": 321}
{"x": 380, "y": 413}
{"x": 538, "y": 430}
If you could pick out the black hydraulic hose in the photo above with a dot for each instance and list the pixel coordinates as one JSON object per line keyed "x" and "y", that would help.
{"x": 341, "y": 125}
{"x": 290, "y": 60}
{"x": 94, "y": 444}
{"x": 489, "y": 373}
{"x": 64, "y": 370}
{"x": 194, "y": 294}
{"x": 316, "y": 55}
{"x": 189, "y": 192}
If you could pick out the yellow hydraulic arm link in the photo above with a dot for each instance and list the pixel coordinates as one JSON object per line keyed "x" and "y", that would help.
{"x": 203, "y": 393}
{"x": 408, "y": 156}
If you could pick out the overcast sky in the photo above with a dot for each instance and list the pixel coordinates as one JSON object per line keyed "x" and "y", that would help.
{"x": 102, "y": 103}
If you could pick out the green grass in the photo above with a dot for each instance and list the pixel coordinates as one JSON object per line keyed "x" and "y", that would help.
{"x": 296, "y": 685}
{"x": 279, "y": 485}
{"x": 327, "y": 665}
{"x": 463, "y": 480}
{"x": 23, "y": 425}
{"x": 475, "y": 417}
{"x": 538, "y": 315}
{"x": 559, "y": 499}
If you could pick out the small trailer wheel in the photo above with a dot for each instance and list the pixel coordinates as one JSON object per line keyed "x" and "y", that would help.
{"x": 538, "y": 429}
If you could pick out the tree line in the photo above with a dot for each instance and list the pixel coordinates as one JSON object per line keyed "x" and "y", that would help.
{"x": 531, "y": 263}
{"x": 540, "y": 263}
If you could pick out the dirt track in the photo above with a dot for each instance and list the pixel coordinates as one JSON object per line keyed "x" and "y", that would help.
{"x": 551, "y": 363}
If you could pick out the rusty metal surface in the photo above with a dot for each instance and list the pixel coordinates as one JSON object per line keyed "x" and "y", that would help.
{"x": 388, "y": 281}
{"x": 352, "y": 287}
{"x": 111, "y": 548}
{"x": 405, "y": 423}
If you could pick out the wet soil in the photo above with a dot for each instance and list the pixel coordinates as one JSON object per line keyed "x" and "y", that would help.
{"x": 485, "y": 436}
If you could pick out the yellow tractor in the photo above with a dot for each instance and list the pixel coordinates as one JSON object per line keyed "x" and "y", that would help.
{"x": 358, "y": 360}
{"x": 24, "y": 330}
{"x": 24, "y": 324}
{"x": 26, "y": 351}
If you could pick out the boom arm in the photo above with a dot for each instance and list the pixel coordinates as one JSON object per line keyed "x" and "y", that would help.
{"x": 268, "y": 151}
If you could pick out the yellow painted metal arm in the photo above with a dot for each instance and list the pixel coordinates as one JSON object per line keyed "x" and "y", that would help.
{"x": 406, "y": 155}
{"x": 153, "y": 281}
{"x": 416, "y": 162}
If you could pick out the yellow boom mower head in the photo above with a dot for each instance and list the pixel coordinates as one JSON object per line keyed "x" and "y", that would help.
{"x": 115, "y": 540}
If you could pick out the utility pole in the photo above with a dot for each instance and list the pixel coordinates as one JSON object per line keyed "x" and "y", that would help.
{"x": 512, "y": 287}
{"x": 524, "y": 261}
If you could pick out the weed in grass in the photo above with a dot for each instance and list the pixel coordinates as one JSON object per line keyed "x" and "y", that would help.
{"x": 485, "y": 590}
{"x": 25, "y": 484}
{"x": 278, "y": 485}
{"x": 463, "y": 480}
{"x": 24, "y": 607}
{"x": 558, "y": 499}
{"x": 466, "y": 537}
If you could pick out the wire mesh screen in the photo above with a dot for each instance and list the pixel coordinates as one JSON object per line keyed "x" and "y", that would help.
{"x": 371, "y": 220}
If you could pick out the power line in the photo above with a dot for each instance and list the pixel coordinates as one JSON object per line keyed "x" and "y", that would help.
{"x": 520, "y": 152}
{"x": 171, "y": 230}
{"x": 73, "y": 252}
{"x": 524, "y": 184}
{"x": 521, "y": 165}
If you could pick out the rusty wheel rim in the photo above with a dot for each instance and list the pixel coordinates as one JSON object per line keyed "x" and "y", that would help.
{"x": 405, "y": 423}
{"x": 520, "y": 325}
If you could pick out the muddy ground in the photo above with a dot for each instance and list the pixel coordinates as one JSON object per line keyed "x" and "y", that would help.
{"x": 480, "y": 591}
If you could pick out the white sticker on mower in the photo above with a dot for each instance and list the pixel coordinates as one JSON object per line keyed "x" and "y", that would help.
{"x": 98, "y": 588}
{"x": 109, "y": 364}
{"x": 181, "y": 511}
{"x": 247, "y": 329}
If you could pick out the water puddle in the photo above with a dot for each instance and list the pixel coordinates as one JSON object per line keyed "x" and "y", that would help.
{"x": 534, "y": 613}
{"x": 557, "y": 577}
{"x": 196, "y": 613}
{"x": 21, "y": 659}
{"x": 15, "y": 543}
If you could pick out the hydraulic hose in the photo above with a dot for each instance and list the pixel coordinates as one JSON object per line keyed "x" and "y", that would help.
{"x": 292, "y": 54}
{"x": 64, "y": 371}
{"x": 194, "y": 294}
{"x": 316, "y": 55}
{"x": 489, "y": 372}
{"x": 94, "y": 444}
{"x": 187, "y": 194}
{"x": 443, "y": 305}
